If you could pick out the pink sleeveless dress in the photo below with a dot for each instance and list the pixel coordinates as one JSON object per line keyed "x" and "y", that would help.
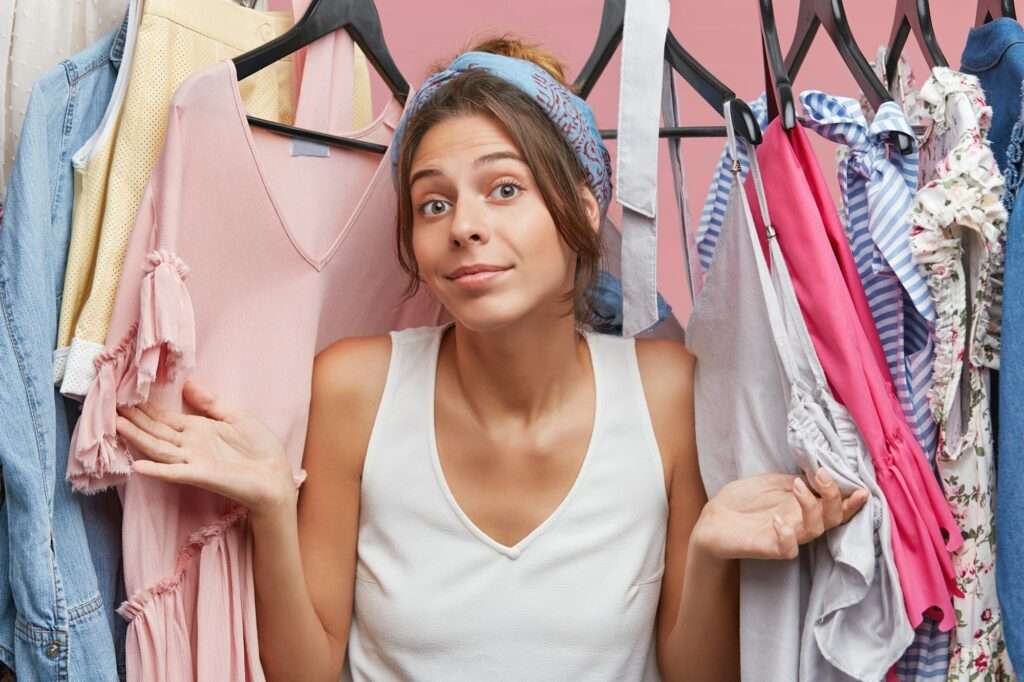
{"x": 244, "y": 262}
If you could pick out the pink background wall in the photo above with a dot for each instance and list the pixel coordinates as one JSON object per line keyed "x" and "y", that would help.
{"x": 723, "y": 35}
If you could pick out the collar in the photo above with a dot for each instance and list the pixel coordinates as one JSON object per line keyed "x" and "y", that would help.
{"x": 987, "y": 43}
{"x": 117, "y": 48}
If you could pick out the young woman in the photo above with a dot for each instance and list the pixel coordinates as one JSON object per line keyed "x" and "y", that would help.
{"x": 512, "y": 496}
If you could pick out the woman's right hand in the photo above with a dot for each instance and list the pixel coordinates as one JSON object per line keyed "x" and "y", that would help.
{"x": 771, "y": 515}
{"x": 218, "y": 449}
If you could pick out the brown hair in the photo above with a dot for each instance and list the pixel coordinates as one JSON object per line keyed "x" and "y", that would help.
{"x": 550, "y": 158}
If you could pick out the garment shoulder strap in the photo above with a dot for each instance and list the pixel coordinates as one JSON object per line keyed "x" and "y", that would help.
{"x": 776, "y": 317}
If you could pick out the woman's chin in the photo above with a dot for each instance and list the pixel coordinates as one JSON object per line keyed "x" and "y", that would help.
{"x": 485, "y": 316}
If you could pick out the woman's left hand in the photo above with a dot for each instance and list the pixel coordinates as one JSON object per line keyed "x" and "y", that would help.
{"x": 218, "y": 449}
{"x": 771, "y": 515}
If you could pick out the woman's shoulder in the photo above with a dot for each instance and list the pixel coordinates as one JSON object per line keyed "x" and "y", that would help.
{"x": 666, "y": 368}
{"x": 353, "y": 370}
{"x": 351, "y": 364}
{"x": 666, "y": 372}
{"x": 348, "y": 379}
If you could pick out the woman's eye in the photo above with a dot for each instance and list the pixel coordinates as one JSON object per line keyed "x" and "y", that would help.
{"x": 434, "y": 207}
{"x": 507, "y": 190}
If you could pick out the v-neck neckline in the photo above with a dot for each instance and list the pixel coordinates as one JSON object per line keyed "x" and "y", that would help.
{"x": 516, "y": 550}
{"x": 383, "y": 167}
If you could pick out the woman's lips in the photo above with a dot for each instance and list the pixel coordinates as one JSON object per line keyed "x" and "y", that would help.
{"x": 479, "y": 279}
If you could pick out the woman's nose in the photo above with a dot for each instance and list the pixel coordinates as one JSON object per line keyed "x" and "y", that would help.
{"x": 468, "y": 224}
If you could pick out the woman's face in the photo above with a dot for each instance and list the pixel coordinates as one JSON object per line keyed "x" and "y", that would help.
{"x": 483, "y": 238}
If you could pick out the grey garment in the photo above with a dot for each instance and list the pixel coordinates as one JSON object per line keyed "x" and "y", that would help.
{"x": 668, "y": 326}
{"x": 670, "y": 115}
{"x": 856, "y": 622}
{"x": 762, "y": 405}
{"x": 645, "y": 26}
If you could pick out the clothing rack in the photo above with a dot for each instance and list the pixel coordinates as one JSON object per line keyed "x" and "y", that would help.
{"x": 220, "y": 253}
{"x": 677, "y": 131}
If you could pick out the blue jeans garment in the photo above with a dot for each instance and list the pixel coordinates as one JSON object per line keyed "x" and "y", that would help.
{"x": 1010, "y": 473}
{"x": 995, "y": 54}
{"x": 606, "y": 301}
{"x": 59, "y": 553}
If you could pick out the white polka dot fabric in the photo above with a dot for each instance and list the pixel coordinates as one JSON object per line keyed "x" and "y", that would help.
{"x": 36, "y": 35}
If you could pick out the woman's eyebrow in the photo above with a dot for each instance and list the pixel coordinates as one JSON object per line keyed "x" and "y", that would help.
{"x": 498, "y": 156}
{"x": 420, "y": 174}
{"x": 483, "y": 160}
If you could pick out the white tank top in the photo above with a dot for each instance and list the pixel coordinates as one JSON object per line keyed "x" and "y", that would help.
{"x": 438, "y": 599}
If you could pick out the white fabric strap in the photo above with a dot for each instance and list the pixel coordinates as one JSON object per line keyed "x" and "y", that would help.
{"x": 773, "y": 306}
{"x": 643, "y": 47}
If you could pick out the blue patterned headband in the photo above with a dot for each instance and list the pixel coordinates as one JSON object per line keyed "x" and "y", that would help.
{"x": 570, "y": 114}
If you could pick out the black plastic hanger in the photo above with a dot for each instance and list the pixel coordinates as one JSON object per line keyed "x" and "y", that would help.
{"x": 360, "y": 19}
{"x": 609, "y": 35}
{"x": 776, "y": 67}
{"x": 994, "y": 9}
{"x": 682, "y": 62}
{"x": 830, "y": 15}
{"x": 912, "y": 16}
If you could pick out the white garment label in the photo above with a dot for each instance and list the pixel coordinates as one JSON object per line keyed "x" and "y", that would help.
{"x": 307, "y": 148}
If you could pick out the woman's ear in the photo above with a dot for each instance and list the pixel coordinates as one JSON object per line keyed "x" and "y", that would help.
{"x": 593, "y": 208}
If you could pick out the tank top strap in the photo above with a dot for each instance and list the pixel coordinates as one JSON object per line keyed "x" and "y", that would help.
{"x": 414, "y": 356}
{"x": 615, "y": 366}
{"x": 408, "y": 388}
{"x": 622, "y": 416}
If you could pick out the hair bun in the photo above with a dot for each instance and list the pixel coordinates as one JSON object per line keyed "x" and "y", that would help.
{"x": 509, "y": 46}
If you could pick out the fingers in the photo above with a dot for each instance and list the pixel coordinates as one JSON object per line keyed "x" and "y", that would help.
{"x": 205, "y": 403}
{"x": 811, "y": 510}
{"x": 178, "y": 472}
{"x": 854, "y": 503}
{"x": 175, "y": 420}
{"x": 831, "y": 499}
{"x": 147, "y": 444}
{"x": 152, "y": 421}
{"x": 787, "y": 544}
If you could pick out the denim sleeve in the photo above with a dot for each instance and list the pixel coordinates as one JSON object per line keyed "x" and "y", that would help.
{"x": 1010, "y": 475}
{"x": 51, "y": 622}
{"x": 27, "y": 411}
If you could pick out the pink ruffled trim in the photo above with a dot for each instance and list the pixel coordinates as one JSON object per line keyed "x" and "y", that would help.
{"x": 98, "y": 457}
{"x": 138, "y": 602}
{"x": 195, "y": 544}
{"x": 156, "y": 349}
{"x": 167, "y": 327}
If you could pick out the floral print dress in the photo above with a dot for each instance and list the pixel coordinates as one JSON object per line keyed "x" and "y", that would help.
{"x": 958, "y": 233}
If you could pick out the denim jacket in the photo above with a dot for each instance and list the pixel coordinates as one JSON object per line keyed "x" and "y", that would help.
{"x": 995, "y": 54}
{"x": 59, "y": 553}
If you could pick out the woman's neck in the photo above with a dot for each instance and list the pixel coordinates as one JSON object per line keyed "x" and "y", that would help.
{"x": 520, "y": 371}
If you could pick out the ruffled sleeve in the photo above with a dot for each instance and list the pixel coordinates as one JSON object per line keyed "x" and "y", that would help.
{"x": 167, "y": 327}
{"x": 965, "y": 195}
{"x": 159, "y": 347}
{"x": 151, "y": 337}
